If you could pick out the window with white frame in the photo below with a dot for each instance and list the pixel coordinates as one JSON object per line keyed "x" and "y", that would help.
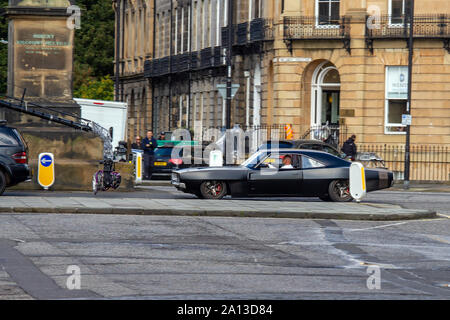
{"x": 397, "y": 11}
{"x": 396, "y": 98}
{"x": 327, "y": 12}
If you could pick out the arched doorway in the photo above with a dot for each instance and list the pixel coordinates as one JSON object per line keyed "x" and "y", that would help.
{"x": 325, "y": 95}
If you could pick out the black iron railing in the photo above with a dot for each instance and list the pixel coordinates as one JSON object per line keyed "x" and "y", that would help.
{"x": 261, "y": 29}
{"x": 205, "y": 58}
{"x": 244, "y": 35}
{"x": 425, "y": 26}
{"x": 428, "y": 162}
{"x": 258, "y": 30}
{"x": 315, "y": 28}
{"x": 333, "y": 134}
{"x": 430, "y": 26}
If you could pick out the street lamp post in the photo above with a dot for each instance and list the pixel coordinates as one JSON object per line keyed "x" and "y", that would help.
{"x": 229, "y": 63}
{"x": 408, "y": 106}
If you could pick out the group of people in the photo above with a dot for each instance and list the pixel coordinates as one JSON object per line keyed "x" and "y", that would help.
{"x": 148, "y": 145}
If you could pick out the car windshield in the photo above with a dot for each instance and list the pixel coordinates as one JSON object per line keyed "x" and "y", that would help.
{"x": 254, "y": 159}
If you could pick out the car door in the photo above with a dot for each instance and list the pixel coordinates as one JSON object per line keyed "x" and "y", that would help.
{"x": 275, "y": 181}
{"x": 315, "y": 176}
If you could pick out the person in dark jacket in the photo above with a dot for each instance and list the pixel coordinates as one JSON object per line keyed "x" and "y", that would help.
{"x": 349, "y": 147}
{"x": 149, "y": 144}
{"x": 137, "y": 144}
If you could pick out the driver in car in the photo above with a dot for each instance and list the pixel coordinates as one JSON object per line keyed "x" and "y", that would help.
{"x": 287, "y": 163}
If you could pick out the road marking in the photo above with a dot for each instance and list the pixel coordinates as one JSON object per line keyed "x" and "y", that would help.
{"x": 378, "y": 227}
{"x": 438, "y": 239}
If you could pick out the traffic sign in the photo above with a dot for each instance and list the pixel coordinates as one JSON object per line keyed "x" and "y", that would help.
{"x": 406, "y": 119}
{"x": 46, "y": 170}
{"x": 223, "y": 90}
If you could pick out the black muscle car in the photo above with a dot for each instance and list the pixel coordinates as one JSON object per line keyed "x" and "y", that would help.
{"x": 308, "y": 173}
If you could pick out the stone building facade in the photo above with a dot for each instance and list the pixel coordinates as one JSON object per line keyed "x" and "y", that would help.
{"x": 303, "y": 63}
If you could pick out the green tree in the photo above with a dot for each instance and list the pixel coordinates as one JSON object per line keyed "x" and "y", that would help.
{"x": 94, "y": 42}
{"x": 3, "y": 49}
{"x": 102, "y": 89}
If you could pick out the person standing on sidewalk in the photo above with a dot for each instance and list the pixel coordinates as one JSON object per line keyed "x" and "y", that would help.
{"x": 149, "y": 144}
{"x": 137, "y": 144}
{"x": 349, "y": 147}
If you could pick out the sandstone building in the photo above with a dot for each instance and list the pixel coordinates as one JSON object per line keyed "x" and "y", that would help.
{"x": 303, "y": 63}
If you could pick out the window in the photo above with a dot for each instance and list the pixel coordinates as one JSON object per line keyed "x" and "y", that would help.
{"x": 283, "y": 161}
{"x": 397, "y": 10}
{"x": 7, "y": 139}
{"x": 396, "y": 98}
{"x": 327, "y": 12}
{"x": 309, "y": 163}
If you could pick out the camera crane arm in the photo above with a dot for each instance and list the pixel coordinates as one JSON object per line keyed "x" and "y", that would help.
{"x": 81, "y": 124}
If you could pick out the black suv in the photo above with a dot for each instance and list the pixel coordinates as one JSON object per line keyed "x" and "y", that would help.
{"x": 14, "y": 167}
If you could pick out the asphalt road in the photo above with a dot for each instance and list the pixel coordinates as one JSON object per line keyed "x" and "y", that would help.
{"x": 149, "y": 257}
{"x": 157, "y": 257}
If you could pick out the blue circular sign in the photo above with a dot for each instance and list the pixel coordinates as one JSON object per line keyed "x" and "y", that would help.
{"x": 46, "y": 161}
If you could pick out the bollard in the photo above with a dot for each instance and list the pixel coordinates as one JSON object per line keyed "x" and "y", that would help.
{"x": 357, "y": 181}
{"x": 46, "y": 170}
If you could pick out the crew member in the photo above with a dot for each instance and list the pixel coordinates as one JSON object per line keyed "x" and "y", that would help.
{"x": 149, "y": 144}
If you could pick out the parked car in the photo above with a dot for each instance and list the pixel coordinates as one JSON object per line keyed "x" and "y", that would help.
{"x": 305, "y": 144}
{"x": 314, "y": 174}
{"x": 14, "y": 167}
{"x": 166, "y": 159}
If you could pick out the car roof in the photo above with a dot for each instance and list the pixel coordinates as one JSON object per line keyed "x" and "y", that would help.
{"x": 319, "y": 155}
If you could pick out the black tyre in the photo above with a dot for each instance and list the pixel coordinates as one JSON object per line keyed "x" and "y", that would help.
{"x": 2, "y": 182}
{"x": 339, "y": 191}
{"x": 213, "y": 189}
{"x": 325, "y": 198}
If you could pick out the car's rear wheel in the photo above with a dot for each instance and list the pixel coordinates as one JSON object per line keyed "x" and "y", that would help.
{"x": 339, "y": 191}
{"x": 2, "y": 182}
{"x": 213, "y": 189}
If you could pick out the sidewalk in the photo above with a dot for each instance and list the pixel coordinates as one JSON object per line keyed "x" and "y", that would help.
{"x": 196, "y": 207}
{"x": 414, "y": 187}
{"x": 423, "y": 187}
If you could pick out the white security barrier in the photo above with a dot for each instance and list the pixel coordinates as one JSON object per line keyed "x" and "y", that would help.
{"x": 358, "y": 187}
{"x": 216, "y": 158}
{"x": 138, "y": 165}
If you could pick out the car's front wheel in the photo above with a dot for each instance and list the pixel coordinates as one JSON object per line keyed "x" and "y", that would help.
{"x": 213, "y": 189}
{"x": 339, "y": 191}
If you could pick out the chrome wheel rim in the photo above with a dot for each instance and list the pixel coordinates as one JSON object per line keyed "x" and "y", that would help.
{"x": 214, "y": 188}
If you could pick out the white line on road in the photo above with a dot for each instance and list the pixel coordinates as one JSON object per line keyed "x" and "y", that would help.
{"x": 378, "y": 227}
{"x": 394, "y": 224}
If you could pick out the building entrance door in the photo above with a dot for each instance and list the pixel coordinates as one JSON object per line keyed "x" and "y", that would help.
{"x": 330, "y": 107}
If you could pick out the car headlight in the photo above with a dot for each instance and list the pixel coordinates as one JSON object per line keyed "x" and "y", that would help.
{"x": 175, "y": 177}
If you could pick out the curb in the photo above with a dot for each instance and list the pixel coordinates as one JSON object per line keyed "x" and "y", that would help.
{"x": 422, "y": 214}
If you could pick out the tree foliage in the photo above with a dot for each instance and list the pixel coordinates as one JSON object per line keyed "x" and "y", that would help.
{"x": 101, "y": 89}
{"x": 3, "y": 49}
